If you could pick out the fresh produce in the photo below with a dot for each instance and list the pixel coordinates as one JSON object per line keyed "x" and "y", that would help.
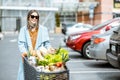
{"x": 54, "y": 61}
{"x": 39, "y": 55}
{"x": 59, "y": 64}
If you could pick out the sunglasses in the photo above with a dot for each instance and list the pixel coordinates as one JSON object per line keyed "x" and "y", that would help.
{"x": 36, "y": 17}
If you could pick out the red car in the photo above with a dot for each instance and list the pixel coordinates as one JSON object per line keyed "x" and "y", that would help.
{"x": 81, "y": 41}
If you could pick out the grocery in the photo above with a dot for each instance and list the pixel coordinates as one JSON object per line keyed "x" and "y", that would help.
{"x": 51, "y": 66}
{"x": 48, "y": 62}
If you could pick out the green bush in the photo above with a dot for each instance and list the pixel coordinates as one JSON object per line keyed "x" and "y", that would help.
{"x": 57, "y": 19}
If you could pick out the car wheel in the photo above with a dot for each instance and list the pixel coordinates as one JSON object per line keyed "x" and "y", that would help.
{"x": 86, "y": 50}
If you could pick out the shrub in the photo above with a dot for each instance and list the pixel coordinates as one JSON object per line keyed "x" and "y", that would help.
{"x": 57, "y": 19}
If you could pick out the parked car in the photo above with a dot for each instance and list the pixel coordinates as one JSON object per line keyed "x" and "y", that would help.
{"x": 1, "y": 36}
{"x": 65, "y": 25}
{"x": 113, "y": 53}
{"x": 100, "y": 44}
{"x": 81, "y": 41}
{"x": 78, "y": 28}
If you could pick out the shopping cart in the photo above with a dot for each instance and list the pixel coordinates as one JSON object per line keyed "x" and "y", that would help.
{"x": 30, "y": 73}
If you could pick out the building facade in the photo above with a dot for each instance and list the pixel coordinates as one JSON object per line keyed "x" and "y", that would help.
{"x": 13, "y": 12}
{"x": 88, "y": 11}
{"x": 104, "y": 10}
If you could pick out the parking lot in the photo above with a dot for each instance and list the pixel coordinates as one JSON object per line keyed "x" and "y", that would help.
{"x": 84, "y": 69}
{"x": 79, "y": 67}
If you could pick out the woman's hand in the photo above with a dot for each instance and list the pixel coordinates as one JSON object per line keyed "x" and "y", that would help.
{"x": 23, "y": 55}
{"x": 32, "y": 51}
{"x": 51, "y": 50}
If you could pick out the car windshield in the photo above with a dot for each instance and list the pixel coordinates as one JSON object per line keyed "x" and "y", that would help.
{"x": 102, "y": 25}
{"x": 69, "y": 25}
{"x": 88, "y": 26}
{"x": 118, "y": 29}
{"x": 116, "y": 34}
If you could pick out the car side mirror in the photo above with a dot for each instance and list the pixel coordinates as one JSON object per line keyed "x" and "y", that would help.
{"x": 107, "y": 28}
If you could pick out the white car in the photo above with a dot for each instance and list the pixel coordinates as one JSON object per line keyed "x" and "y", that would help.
{"x": 1, "y": 36}
{"x": 78, "y": 28}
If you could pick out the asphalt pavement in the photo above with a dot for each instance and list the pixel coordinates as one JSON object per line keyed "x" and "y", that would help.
{"x": 9, "y": 57}
{"x": 80, "y": 68}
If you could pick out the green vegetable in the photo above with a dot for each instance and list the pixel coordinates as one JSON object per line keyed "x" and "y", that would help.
{"x": 61, "y": 55}
{"x": 29, "y": 54}
{"x": 57, "y": 52}
{"x": 42, "y": 62}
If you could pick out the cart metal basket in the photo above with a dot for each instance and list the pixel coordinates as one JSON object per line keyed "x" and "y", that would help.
{"x": 30, "y": 73}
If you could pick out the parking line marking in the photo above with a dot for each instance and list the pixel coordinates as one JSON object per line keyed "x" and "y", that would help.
{"x": 85, "y": 61}
{"x": 77, "y": 72}
{"x": 13, "y": 40}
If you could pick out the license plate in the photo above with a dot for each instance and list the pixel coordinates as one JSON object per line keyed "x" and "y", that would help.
{"x": 113, "y": 48}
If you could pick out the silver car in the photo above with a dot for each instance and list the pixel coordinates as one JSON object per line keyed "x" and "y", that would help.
{"x": 99, "y": 45}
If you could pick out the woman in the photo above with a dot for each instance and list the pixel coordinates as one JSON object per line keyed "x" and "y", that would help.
{"x": 33, "y": 35}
